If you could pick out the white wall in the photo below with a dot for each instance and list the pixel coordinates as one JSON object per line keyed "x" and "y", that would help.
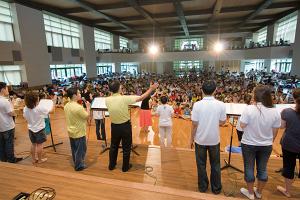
{"x": 88, "y": 44}
{"x": 31, "y": 36}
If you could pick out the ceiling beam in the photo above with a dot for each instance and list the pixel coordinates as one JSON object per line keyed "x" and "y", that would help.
{"x": 216, "y": 10}
{"x": 278, "y": 17}
{"x": 180, "y": 13}
{"x": 119, "y": 5}
{"x": 89, "y": 7}
{"x": 207, "y": 11}
{"x": 252, "y": 15}
{"x": 142, "y": 11}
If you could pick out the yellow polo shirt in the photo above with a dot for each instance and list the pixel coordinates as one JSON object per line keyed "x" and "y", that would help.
{"x": 117, "y": 106}
{"x": 76, "y": 117}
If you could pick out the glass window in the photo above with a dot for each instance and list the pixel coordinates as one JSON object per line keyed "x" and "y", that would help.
{"x": 10, "y": 74}
{"x": 66, "y": 71}
{"x": 123, "y": 42}
{"x": 130, "y": 67}
{"x": 188, "y": 44}
{"x": 286, "y": 28}
{"x": 6, "y": 22}
{"x": 61, "y": 33}
{"x": 258, "y": 64}
{"x": 182, "y": 67}
{"x": 103, "y": 40}
{"x": 105, "y": 68}
{"x": 281, "y": 65}
{"x": 262, "y": 35}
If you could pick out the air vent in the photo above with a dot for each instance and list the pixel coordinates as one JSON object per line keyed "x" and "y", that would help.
{"x": 16, "y": 55}
{"x": 75, "y": 52}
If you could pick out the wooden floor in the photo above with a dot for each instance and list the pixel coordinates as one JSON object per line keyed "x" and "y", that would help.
{"x": 172, "y": 167}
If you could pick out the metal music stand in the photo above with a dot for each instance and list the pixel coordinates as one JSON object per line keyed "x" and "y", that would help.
{"x": 104, "y": 108}
{"x": 228, "y": 163}
{"x": 53, "y": 145}
{"x": 234, "y": 113}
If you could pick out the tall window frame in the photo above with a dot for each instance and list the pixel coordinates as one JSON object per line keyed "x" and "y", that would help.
{"x": 103, "y": 39}
{"x": 123, "y": 42}
{"x": 6, "y": 23}
{"x": 286, "y": 28}
{"x": 61, "y": 32}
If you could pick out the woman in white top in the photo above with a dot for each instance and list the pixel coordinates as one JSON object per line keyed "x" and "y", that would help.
{"x": 34, "y": 113}
{"x": 260, "y": 123}
{"x": 165, "y": 113}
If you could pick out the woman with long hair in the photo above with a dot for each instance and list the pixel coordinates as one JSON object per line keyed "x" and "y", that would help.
{"x": 290, "y": 143}
{"x": 260, "y": 123}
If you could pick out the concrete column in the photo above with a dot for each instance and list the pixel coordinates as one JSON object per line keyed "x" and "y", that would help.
{"x": 88, "y": 45}
{"x": 267, "y": 64}
{"x": 116, "y": 42}
{"x": 118, "y": 67}
{"x": 270, "y": 34}
{"x": 296, "y": 50}
{"x": 159, "y": 67}
{"x": 30, "y": 34}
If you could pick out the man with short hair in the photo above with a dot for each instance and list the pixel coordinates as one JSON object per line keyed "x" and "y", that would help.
{"x": 76, "y": 117}
{"x": 117, "y": 106}
{"x": 7, "y": 127}
{"x": 207, "y": 115}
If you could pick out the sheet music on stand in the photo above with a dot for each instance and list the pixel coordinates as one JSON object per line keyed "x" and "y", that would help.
{"x": 236, "y": 109}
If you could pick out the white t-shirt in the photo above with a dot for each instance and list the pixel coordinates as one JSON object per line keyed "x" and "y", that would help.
{"x": 36, "y": 117}
{"x": 98, "y": 114}
{"x": 165, "y": 115}
{"x": 208, "y": 113}
{"x": 7, "y": 122}
{"x": 260, "y": 120}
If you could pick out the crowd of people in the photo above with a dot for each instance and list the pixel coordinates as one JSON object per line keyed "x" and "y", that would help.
{"x": 198, "y": 97}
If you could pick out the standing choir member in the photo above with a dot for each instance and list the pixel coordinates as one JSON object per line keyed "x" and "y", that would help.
{"x": 7, "y": 127}
{"x": 145, "y": 114}
{"x": 76, "y": 118}
{"x": 260, "y": 123}
{"x": 35, "y": 113}
{"x": 290, "y": 143}
{"x": 165, "y": 113}
{"x": 207, "y": 115}
{"x": 117, "y": 106}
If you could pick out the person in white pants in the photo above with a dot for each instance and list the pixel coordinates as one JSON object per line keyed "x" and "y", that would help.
{"x": 165, "y": 113}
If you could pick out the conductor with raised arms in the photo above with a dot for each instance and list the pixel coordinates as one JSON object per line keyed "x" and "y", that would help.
{"x": 117, "y": 106}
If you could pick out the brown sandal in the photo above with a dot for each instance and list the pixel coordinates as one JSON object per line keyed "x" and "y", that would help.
{"x": 283, "y": 191}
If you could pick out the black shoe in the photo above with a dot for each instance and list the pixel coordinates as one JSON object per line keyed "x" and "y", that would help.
{"x": 81, "y": 168}
{"x": 111, "y": 167}
{"x": 126, "y": 169}
{"x": 18, "y": 160}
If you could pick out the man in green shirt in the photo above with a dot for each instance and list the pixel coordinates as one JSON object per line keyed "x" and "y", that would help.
{"x": 117, "y": 106}
{"x": 76, "y": 117}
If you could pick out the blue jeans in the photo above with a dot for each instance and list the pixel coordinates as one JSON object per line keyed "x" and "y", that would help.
{"x": 260, "y": 155}
{"x": 100, "y": 123}
{"x": 215, "y": 175}
{"x": 7, "y": 146}
{"x": 78, "y": 147}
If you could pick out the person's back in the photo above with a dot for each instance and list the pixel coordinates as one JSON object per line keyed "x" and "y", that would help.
{"x": 76, "y": 117}
{"x": 291, "y": 138}
{"x": 260, "y": 120}
{"x": 165, "y": 112}
{"x": 209, "y": 110}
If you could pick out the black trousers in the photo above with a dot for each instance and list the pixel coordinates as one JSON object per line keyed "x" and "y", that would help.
{"x": 120, "y": 132}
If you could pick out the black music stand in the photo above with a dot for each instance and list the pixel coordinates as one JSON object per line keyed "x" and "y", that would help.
{"x": 53, "y": 145}
{"x": 228, "y": 163}
{"x": 133, "y": 147}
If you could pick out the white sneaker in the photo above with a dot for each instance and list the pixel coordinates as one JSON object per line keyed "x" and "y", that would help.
{"x": 245, "y": 192}
{"x": 257, "y": 194}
